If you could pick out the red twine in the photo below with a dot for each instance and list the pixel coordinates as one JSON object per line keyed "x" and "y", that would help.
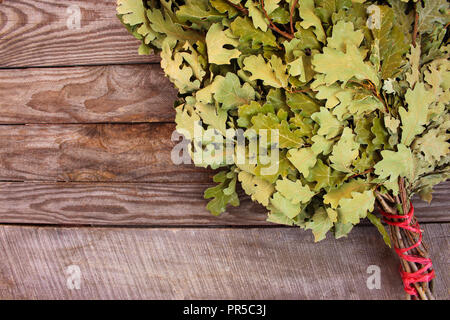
{"x": 421, "y": 275}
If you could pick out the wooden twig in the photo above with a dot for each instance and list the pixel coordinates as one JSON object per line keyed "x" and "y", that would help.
{"x": 416, "y": 24}
{"x": 413, "y": 237}
{"x": 388, "y": 197}
{"x": 291, "y": 16}
{"x": 372, "y": 88}
{"x": 238, "y": 7}
{"x": 407, "y": 265}
{"x": 300, "y": 90}
{"x": 273, "y": 26}
{"x": 403, "y": 238}
{"x": 362, "y": 173}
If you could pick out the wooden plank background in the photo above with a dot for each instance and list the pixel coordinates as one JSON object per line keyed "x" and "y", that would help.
{"x": 85, "y": 142}
{"x": 37, "y": 33}
{"x": 194, "y": 263}
{"x": 92, "y": 152}
{"x": 96, "y": 94}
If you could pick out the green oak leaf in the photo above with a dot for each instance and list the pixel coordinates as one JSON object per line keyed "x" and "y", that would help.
{"x": 434, "y": 145}
{"x": 393, "y": 43}
{"x": 247, "y": 111}
{"x": 271, "y": 5}
{"x": 341, "y": 230}
{"x": 186, "y": 119}
{"x": 231, "y": 94}
{"x": 310, "y": 19}
{"x": 273, "y": 73}
{"x": 321, "y": 145}
{"x": 260, "y": 190}
{"x": 344, "y": 191}
{"x": 413, "y": 120}
{"x": 322, "y": 175}
{"x": 216, "y": 39}
{"x": 243, "y": 28}
{"x": 285, "y": 205}
{"x": 294, "y": 191}
{"x": 377, "y": 223}
{"x": 353, "y": 209}
{"x": 223, "y": 6}
{"x": 345, "y": 151}
{"x": 213, "y": 116}
{"x": 175, "y": 69}
{"x": 396, "y": 164}
{"x": 340, "y": 66}
{"x": 320, "y": 224}
{"x": 431, "y": 12}
{"x": 133, "y": 13}
{"x": 257, "y": 16}
{"x": 163, "y": 23}
{"x": 198, "y": 11}
{"x": 287, "y": 138}
{"x": 303, "y": 159}
{"x": 330, "y": 126}
{"x": 223, "y": 194}
{"x": 344, "y": 34}
{"x": 302, "y": 103}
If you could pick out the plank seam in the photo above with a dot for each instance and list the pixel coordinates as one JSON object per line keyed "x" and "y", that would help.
{"x": 190, "y": 226}
{"x": 84, "y": 123}
{"x": 131, "y": 63}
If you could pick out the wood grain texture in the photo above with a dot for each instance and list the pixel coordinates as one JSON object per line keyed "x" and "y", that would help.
{"x": 121, "y": 93}
{"x": 43, "y": 33}
{"x": 92, "y": 152}
{"x": 121, "y": 204}
{"x": 121, "y": 174}
{"x": 118, "y": 204}
{"x": 172, "y": 263}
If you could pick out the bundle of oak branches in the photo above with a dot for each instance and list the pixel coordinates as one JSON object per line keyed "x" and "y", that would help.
{"x": 323, "y": 110}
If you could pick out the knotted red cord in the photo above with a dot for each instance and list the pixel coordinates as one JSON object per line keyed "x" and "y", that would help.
{"x": 421, "y": 275}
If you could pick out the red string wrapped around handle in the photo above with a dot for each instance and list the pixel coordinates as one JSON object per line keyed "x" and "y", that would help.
{"x": 421, "y": 275}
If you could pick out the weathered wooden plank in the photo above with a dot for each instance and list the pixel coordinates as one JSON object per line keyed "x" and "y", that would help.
{"x": 439, "y": 208}
{"x": 146, "y": 205}
{"x": 68, "y": 32}
{"x": 92, "y": 152}
{"x": 268, "y": 263}
{"x": 120, "y": 93}
{"x": 118, "y": 204}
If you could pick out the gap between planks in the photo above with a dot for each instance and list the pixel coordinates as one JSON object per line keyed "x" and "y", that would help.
{"x": 131, "y": 63}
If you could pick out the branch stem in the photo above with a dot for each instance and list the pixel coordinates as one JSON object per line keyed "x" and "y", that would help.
{"x": 273, "y": 26}
{"x": 291, "y": 16}
{"x": 416, "y": 24}
{"x": 238, "y": 7}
